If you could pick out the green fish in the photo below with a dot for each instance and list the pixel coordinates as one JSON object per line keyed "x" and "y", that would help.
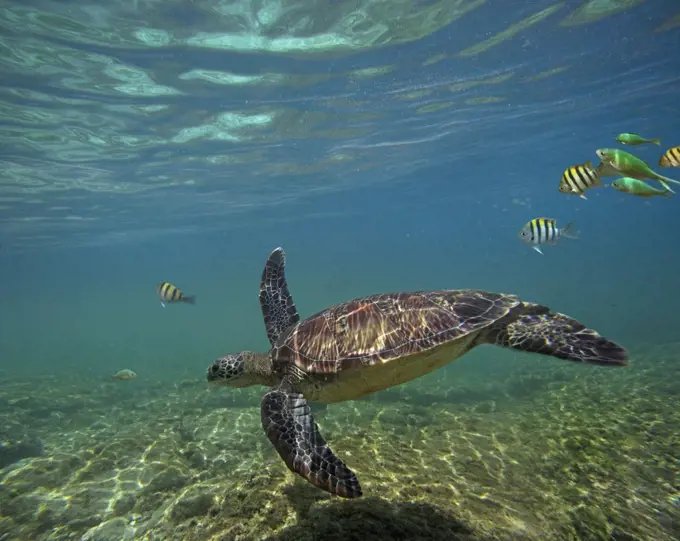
{"x": 632, "y": 166}
{"x": 635, "y": 139}
{"x": 638, "y": 187}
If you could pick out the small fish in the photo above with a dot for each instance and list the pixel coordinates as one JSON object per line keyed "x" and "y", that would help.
{"x": 638, "y": 187}
{"x": 632, "y": 166}
{"x": 634, "y": 139}
{"x": 541, "y": 231}
{"x": 170, "y": 293}
{"x": 670, "y": 158}
{"x": 124, "y": 374}
{"x": 579, "y": 178}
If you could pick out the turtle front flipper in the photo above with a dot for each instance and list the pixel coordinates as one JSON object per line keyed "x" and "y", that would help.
{"x": 288, "y": 422}
{"x": 538, "y": 330}
{"x": 278, "y": 308}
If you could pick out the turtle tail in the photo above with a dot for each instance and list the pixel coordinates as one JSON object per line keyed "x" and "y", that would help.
{"x": 538, "y": 330}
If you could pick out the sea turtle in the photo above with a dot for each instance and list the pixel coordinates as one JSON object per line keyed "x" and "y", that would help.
{"x": 364, "y": 345}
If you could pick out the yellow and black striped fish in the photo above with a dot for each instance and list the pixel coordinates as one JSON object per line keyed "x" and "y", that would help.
{"x": 579, "y": 178}
{"x": 170, "y": 293}
{"x": 541, "y": 231}
{"x": 670, "y": 158}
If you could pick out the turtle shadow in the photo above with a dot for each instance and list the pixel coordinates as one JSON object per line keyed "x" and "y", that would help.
{"x": 368, "y": 519}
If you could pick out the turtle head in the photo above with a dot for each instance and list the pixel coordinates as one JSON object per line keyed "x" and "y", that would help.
{"x": 229, "y": 370}
{"x": 241, "y": 370}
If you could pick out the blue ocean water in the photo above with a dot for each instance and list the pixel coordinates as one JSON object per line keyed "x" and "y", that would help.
{"x": 109, "y": 188}
{"x": 385, "y": 146}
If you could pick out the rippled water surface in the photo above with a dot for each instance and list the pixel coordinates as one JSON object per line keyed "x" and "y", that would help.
{"x": 139, "y": 116}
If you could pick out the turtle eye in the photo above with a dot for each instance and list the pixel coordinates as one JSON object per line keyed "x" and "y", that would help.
{"x": 214, "y": 369}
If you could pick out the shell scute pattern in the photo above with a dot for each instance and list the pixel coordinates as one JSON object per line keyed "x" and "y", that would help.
{"x": 380, "y": 328}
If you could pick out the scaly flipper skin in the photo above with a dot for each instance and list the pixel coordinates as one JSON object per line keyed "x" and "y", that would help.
{"x": 289, "y": 425}
{"x": 278, "y": 308}
{"x": 554, "y": 334}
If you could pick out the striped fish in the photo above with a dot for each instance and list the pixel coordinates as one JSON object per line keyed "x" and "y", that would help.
{"x": 170, "y": 293}
{"x": 670, "y": 158}
{"x": 579, "y": 178}
{"x": 541, "y": 231}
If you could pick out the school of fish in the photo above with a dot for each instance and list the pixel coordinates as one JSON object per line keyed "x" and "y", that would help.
{"x": 632, "y": 173}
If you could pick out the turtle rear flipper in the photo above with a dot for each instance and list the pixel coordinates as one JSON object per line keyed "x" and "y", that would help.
{"x": 289, "y": 425}
{"x": 540, "y": 331}
{"x": 278, "y": 308}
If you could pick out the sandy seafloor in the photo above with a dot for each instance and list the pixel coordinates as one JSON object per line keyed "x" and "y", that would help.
{"x": 548, "y": 451}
